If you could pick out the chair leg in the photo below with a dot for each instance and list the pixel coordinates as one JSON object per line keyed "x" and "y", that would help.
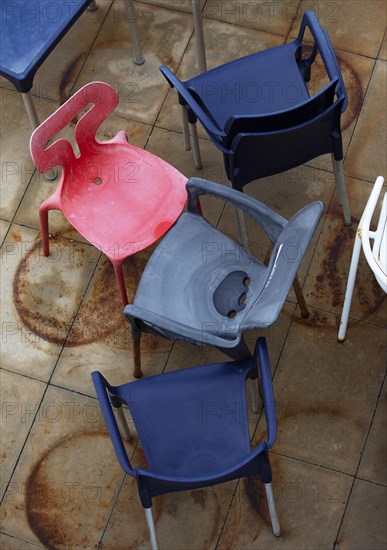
{"x": 136, "y": 338}
{"x": 43, "y": 220}
{"x": 151, "y": 527}
{"x": 34, "y": 121}
{"x": 338, "y": 168}
{"x": 123, "y": 423}
{"x": 131, "y": 15}
{"x": 195, "y": 146}
{"x": 300, "y": 297}
{"x": 199, "y": 35}
{"x": 350, "y": 285}
{"x": 121, "y": 283}
{"x": 187, "y": 141}
{"x": 272, "y": 510}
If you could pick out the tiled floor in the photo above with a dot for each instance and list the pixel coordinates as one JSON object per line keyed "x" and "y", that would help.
{"x": 61, "y": 486}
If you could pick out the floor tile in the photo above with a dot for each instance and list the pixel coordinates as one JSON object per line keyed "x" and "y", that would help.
{"x": 366, "y": 156}
{"x": 12, "y": 543}
{"x": 383, "y": 49}
{"x": 178, "y": 5}
{"x": 325, "y": 401}
{"x": 100, "y": 338}
{"x": 169, "y": 146}
{"x": 365, "y": 519}
{"x": 4, "y": 226}
{"x": 17, "y": 167}
{"x": 191, "y": 519}
{"x": 142, "y": 89}
{"x": 373, "y": 463}
{"x": 274, "y": 17}
{"x": 20, "y": 397}
{"x": 305, "y": 495}
{"x": 40, "y": 189}
{"x": 67, "y": 479}
{"x": 327, "y": 278}
{"x": 40, "y": 297}
{"x": 353, "y": 26}
{"x": 356, "y": 71}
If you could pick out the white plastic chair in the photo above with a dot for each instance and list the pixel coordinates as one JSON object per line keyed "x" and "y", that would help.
{"x": 375, "y": 256}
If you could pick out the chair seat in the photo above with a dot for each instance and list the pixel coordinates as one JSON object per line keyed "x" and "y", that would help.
{"x": 122, "y": 198}
{"x": 208, "y": 412}
{"x": 30, "y": 29}
{"x": 197, "y": 266}
{"x": 261, "y": 83}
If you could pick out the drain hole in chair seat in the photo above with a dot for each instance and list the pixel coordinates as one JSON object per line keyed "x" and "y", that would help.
{"x": 231, "y": 294}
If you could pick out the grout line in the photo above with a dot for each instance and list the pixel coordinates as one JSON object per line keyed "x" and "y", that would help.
{"x": 355, "y": 477}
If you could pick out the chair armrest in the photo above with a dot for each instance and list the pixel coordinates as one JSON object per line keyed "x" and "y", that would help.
{"x": 215, "y": 131}
{"x": 102, "y": 386}
{"x": 271, "y": 222}
{"x": 326, "y": 50}
{"x": 261, "y": 355}
{"x": 177, "y": 331}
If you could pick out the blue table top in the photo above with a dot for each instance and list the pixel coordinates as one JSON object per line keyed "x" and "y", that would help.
{"x": 29, "y": 31}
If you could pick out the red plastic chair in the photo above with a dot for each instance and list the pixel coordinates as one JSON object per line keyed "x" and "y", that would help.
{"x": 119, "y": 197}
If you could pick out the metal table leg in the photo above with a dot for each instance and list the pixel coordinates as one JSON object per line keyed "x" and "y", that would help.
{"x": 199, "y": 35}
{"x": 34, "y": 121}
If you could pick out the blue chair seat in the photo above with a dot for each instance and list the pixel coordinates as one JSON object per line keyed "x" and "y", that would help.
{"x": 208, "y": 411}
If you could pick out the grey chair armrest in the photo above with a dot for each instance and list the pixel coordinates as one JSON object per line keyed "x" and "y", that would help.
{"x": 271, "y": 222}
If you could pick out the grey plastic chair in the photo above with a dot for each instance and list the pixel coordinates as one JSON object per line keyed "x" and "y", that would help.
{"x": 200, "y": 286}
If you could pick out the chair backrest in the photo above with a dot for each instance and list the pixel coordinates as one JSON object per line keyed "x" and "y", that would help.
{"x": 103, "y": 99}
{"x": 256, "y": 155}
{"x": 282, "y": 120}
{"x": 324, "y": 46}
{"x": 375, "y": 255}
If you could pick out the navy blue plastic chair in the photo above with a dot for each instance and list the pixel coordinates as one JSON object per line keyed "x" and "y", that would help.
{"x": 258, "y": 112}
{"x": 188, "y": 443}
{"x": 200, "y": 286}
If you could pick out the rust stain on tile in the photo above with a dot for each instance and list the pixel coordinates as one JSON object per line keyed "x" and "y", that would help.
{"x": 52, "y": 505}
{"x": 351, "y": 80}
{"x": 330, "y": 282}
{"x": 48, "y": 326}
{"x": 316, "y": 319}
{"x": 68, "y": 76}
{"x": 255, "y": 492}
{"x": 100, "y": 316}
